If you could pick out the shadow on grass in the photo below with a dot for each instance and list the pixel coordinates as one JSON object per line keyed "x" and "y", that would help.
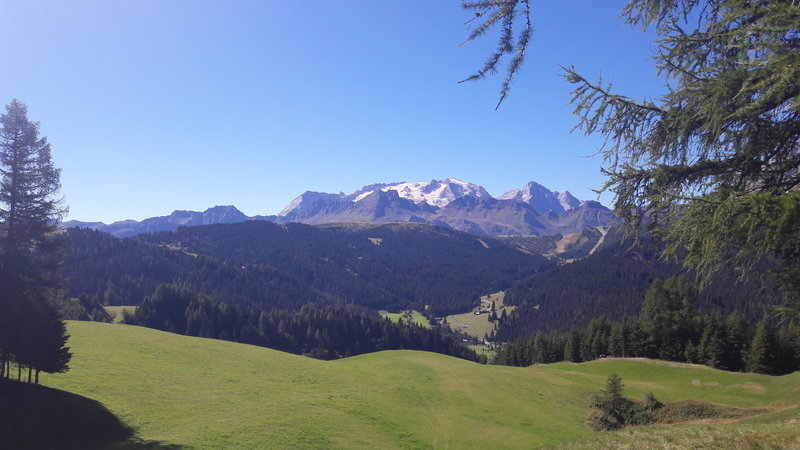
{"x": 36, "y": 417}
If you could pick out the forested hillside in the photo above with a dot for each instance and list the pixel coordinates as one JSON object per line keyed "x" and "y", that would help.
{"x": 611, "y": 283}
{"x": 670, "y": 328}
{"x": 264, "y": 265}
{"x": 328, "y": 332}
{"x": 102, "y": 268}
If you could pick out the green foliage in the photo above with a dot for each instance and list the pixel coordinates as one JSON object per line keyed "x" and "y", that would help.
{"x": 666, "y": 315}
{"x": 32, "y": 336}
{"x": 713, "y": 163}
{"x": 761, "y": 356}
{"x": 685, "y": 410}
{"x": 612, "y": 410}
{"x": 611, "y": 283}
{"x": 328, "y": 332}
{"x": 667, "y": 328}
{"x": 510, "y": 15}
{"x": 264, "y": 265}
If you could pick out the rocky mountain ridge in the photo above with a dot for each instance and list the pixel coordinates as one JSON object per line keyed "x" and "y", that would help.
{"x": 533, "y": 210}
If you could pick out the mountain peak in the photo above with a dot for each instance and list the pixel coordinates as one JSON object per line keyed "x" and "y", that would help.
{"x": 542, "y": 199}
{"x": 435, "y": 192}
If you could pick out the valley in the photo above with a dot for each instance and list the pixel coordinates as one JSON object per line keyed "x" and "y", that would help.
{"x": 315, "y": 287}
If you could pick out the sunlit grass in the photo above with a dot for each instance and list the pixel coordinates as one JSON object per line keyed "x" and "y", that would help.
{"x": 215, "y": 394}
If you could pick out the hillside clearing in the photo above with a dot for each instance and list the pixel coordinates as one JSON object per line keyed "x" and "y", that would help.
{"x": 409, "y": 316}
{"x": 116, "y": 312}
{"x": 478, "y": 325}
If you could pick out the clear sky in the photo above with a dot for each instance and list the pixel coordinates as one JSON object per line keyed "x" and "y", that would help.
{"x": 157, "y": 105}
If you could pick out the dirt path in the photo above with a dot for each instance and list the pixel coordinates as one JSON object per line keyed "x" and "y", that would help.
{"x": 603, "y": 233}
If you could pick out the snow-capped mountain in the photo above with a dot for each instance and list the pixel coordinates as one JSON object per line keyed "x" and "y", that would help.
{"x": 532, "y": 210}
{"x": 434, "y": 192}
{"x": 452, "y": 203}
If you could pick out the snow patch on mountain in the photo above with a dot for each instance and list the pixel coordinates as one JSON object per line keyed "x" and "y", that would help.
{"x": 435, "y": 193}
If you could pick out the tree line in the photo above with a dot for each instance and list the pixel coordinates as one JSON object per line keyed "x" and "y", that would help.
{"x": 323, "y": 332}
{"x": 667, "y": 328}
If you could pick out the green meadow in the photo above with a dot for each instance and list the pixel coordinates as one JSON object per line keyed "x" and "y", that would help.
{"x": 116, "y": 312}
{"x": 478, "y": 325}
{"x": 409, "y": 316}
{"x": 182, "y": 391}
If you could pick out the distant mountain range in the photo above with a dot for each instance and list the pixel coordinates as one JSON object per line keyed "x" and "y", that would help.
{"x": 533, "y": 210}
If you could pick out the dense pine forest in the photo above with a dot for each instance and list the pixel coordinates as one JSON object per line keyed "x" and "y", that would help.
{"x": 611, "y": 283}
{"x": 263, "y": 265}
{"x": 668, "y": 328}
{"x": 328, "y": 332}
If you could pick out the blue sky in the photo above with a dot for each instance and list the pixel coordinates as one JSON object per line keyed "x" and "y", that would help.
{"x": 152, "y": 106}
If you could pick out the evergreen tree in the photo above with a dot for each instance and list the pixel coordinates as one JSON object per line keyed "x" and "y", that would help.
{"x": 712, "y": 345}
{"x": 787, "y": 359}
{"x": 738, "y": 335}
{"x": 667, "y": 316}
{"x": 30, "y": 332}
{"x": 572, "y": 346}
{"x": 761, "y": 356}
{"x": 616, "y": 341}
{"x": 713, "y": 165}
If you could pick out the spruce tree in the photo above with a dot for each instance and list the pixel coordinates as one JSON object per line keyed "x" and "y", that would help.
{"x": 30, "y": 333}
{"x": 666, "y": 316}
{"x": 760, "y": 357}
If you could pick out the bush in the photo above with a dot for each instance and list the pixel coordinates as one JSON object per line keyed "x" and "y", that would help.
{"x": 693, "y": 410}
{"x": 600, "y": 421}
{"x": 612, "y": 410}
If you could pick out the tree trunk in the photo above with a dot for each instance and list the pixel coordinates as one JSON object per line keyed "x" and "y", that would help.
{"x": 30, "y": 370}
{"x": 37, "y": 377}
{"x": 19, "y": 372}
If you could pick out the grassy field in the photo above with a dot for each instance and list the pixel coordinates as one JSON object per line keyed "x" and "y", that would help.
{"x": 115, "y": 312}
{"x": 183, "y": 391}
{"x": 411, "y": 315}
{"x": 478, "y": 325}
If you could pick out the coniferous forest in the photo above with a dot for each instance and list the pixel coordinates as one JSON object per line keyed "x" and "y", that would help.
{"x": 668, "y": 328}
{"x": 327, "y": 332}
{"x": 264, "y": 265}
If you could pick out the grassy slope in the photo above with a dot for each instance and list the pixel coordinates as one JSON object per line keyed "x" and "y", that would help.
{"x": 115, "y": 312}
{"x": 416, "y": 317}
{"x": 207, "y": 393}
{"x": 479, "y": 325}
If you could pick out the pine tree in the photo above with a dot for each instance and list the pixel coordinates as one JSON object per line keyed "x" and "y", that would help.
{"x": 738, "y": 334}
{"x": 572, "y": 346}
{"x": 760, "y": 358}
{"x": 667, "y": 316}
{"x": 616, "y": 341}
{"x": 30, "y": 332}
